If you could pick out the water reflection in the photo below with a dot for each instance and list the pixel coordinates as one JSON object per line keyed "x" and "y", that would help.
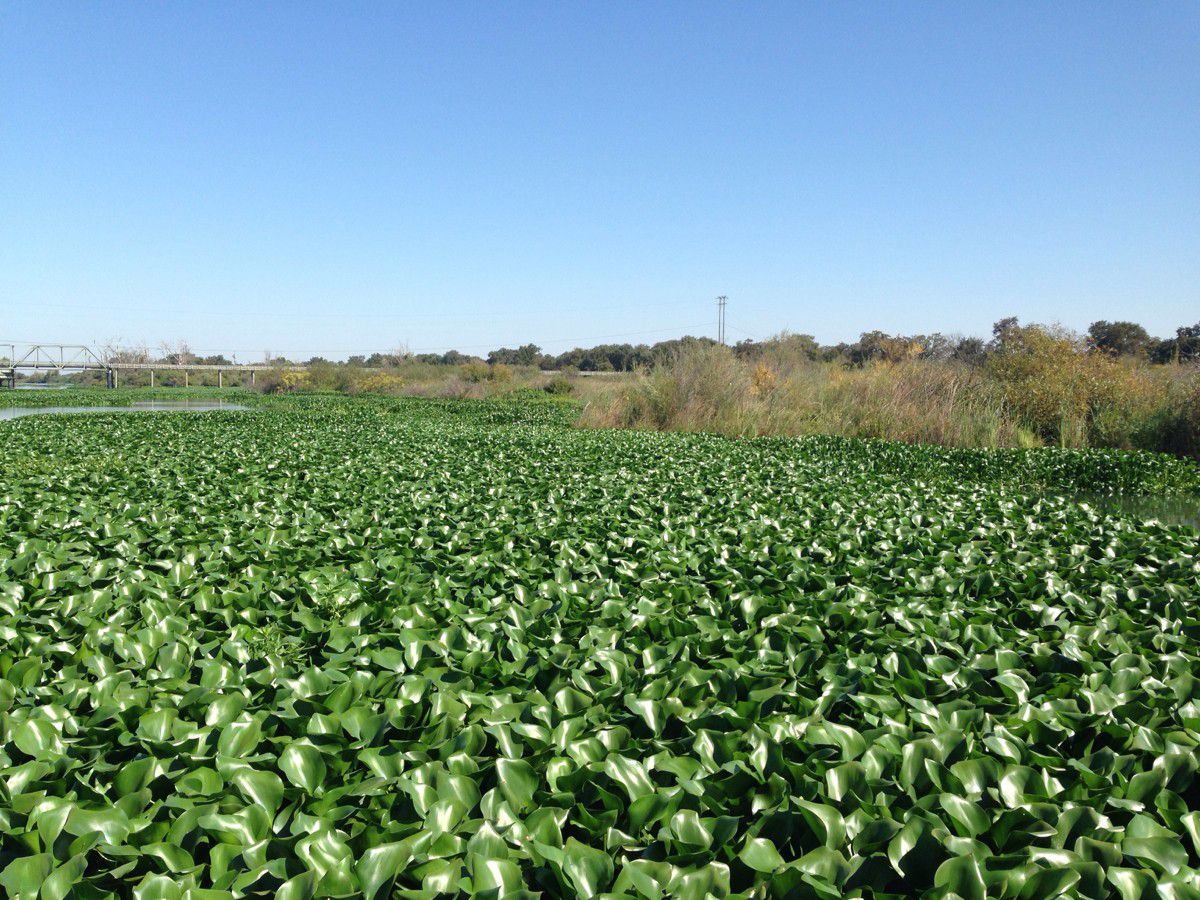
{"x": 1168, "y": 510}
{"x": 16, "y": 412}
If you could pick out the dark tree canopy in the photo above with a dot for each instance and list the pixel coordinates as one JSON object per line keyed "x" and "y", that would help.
{"x": 1119, "y": 338}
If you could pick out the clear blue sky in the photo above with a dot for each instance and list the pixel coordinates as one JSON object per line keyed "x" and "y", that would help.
{"x": 342, "y": 177}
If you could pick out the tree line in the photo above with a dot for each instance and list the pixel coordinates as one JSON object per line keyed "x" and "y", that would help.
{"x": 1122, "y": 339}
{"x": 1117, "y": 339}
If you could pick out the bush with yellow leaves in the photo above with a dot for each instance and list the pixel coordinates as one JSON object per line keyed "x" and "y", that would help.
{"x": 292, "y": 381}
{"x": 1067, "y": 396}
{"x": 380, "y": 383}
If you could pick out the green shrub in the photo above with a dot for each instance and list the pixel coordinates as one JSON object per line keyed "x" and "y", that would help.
{"x": 475, "y": 372}
{"x": 1066, "y": 395}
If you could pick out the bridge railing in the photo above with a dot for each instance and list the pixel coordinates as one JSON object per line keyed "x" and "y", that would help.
{"x": 81, "y": 358}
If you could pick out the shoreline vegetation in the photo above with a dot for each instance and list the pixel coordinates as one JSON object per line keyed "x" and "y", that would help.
{"x": 1029, "y": 386}
{"x": 1078, "y": 473}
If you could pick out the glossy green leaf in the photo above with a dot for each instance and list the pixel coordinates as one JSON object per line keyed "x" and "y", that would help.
{"x": 760, "y": 855}
{"x": 303, "y": 765}
{"x": 588, "y": 870}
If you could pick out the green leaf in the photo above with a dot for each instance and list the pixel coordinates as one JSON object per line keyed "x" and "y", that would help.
{"x": 588, "y": 870}
{"x": 60, "y": 882}
{"x": 157, "y": 887}
{"x": 303, "y": 765}
{"x": 263, "y": 788}
{"x": 825, "y": 821}
{"x": 687, "y": 829}
{"x": 38, "y": 738}
{"x": 963, "y": 876}
{"x": 1164, "y": 853}
{"x": 502, "y": 876}
{"x": 1049, "y": 883}
{"x": 379, "y": 865}
{"x": 631, "y": 775}
{"x": 760, "y": 855}
{"x": 23, "y": 877}
{"x": 517, "y": 782}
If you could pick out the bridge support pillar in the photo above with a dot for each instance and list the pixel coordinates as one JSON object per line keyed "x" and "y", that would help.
{"x": 110, "y": 378}
{"x": 151, "y": 378}
{"x": 251, "y": 378}
{"x": 185, "y": 378}
{"x": 220, "y": 379}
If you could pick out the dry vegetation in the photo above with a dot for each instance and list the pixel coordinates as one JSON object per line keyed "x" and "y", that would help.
{"x": 1040, "y": 387}
{"x": 1030, "y": 386}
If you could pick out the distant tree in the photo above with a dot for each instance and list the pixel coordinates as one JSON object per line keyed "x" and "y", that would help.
{"x": 1118, "y": 338}
{"x": 834, "y": 352}
{"x": 136, "y": 354}
{"x": 780, "y": 350}
{"x": 1184, "y": 347}
{"x": 748, "y": 348}
{"x": 525, "y": 355}
{"x": 882, "y": 347}
{"x": 1161, "y": 350}
{"x": 1005, "y": 330}
{"x": 176, "y": 354}
{"x": 528, "y": 355}
{"x": 787, "y": 342}
{"x": 665, "y": 350}
{"x": 1189, "y": 343}
{"x": 937, "y": 346}
{"x": 970, "y": 350}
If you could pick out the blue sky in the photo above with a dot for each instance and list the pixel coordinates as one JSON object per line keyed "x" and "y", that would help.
{"x": 337, "y": 178}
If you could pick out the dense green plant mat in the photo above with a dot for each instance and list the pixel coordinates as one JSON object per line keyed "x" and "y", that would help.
{"x": 330, "y": 648}
{"x": 1042, "y": 470}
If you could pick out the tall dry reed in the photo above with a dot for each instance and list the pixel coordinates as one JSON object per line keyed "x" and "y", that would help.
{"x": 1073, "y": 400}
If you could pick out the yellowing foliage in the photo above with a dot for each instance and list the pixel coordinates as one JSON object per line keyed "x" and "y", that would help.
{"x": 1068, "y": 397}
{"x": 763, "y": 381}
{"x": 293, "y": 381}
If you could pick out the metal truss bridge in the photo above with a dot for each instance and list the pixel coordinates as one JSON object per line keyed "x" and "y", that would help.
{"x": 72, "y": 358}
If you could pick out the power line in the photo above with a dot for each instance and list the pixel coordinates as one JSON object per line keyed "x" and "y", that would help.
{"x": 743, "y": 331}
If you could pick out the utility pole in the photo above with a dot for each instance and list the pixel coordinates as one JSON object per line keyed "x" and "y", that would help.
{"x": 721, "y": 301}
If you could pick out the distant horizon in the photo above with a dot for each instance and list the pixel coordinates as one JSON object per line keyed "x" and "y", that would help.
{"x": 327, "y": 181}
{"x": 550, "y": 348}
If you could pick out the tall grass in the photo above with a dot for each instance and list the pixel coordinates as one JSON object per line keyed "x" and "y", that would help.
{"x": 1076, "y": 400}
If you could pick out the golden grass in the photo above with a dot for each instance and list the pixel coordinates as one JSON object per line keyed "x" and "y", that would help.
{"x": 1051, "y": 395}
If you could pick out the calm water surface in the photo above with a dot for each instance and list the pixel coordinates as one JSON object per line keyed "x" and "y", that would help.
{"x": 1168, "y": 510}
{"x": 15, "y": 412}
